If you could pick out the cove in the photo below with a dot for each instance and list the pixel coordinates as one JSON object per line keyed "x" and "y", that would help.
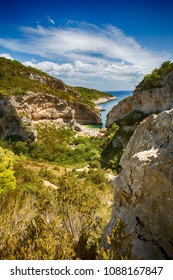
{"x": 110, "y": 104}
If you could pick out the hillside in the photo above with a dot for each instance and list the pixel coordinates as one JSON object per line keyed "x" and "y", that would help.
{"x": 28, "y": 96}
{"x": 17, "y": 79}
{"x": 55, "y": 199}
{"x": 55, "y": 194}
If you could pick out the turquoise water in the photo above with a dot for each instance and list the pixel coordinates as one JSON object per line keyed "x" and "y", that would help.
{"x": 109, "y": 105}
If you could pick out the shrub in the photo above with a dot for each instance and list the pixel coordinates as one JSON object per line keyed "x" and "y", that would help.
{"x": 7, "y": 179}
{"x": 20, "y": 147}
{"x": 95, "y": 164}
{"x": 153, "y": 80}
{"x": 96, "y": 176}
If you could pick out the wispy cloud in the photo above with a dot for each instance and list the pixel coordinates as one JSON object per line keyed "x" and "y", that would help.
{"x": 80, "y": 49}
{"x": 50, "y": 20}
{"x": 6, "y": 55}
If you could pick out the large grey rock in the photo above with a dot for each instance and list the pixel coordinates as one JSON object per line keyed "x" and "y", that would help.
{"x": 144, "y": 188}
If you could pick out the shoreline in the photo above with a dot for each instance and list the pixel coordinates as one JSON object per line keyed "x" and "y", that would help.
{"x": 104, "y": 99}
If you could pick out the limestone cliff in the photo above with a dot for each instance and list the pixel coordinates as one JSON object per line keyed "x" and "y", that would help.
{"x": 20, "y": 114}
{"x": 29, "y": 96}
{"x": 156, "y": 97}
{"x": 144, "y": 188}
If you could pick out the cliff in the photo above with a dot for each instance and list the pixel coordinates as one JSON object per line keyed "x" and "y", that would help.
{"x": 21, "y": 114}
{"x": 153, "y": 98}
{"x": 28, "y": 96}
{"x": 144, "y": 188}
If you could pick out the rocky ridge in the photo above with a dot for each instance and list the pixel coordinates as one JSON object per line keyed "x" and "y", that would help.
{"x": 158, "y": 97}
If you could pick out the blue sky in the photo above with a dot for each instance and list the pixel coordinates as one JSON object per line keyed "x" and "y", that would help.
{"x": 108, "y": 45}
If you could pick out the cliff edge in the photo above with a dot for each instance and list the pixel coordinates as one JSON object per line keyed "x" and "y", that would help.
{"x": 150, "y": 96}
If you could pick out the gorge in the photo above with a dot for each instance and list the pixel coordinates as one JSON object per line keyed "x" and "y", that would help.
{"x": 54, "y": 181}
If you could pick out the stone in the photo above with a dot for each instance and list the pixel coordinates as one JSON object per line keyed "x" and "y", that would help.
{"x": 144, "y": 188}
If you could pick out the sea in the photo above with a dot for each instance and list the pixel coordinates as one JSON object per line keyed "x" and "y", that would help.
{"x": 109, "y": 105}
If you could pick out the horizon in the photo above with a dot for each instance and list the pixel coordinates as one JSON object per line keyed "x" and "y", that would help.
{"x": 107, "y": 46}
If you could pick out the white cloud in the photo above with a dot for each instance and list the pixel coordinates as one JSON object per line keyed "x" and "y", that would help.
{"x": 6, "y": 55}
{"x": 50, "y": 20}
{"x": 84, "y": 42}
{"x": 82, "y": 51}
{"x": 79, "y": 70}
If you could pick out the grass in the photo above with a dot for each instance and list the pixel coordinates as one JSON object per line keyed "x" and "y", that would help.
{"x": 91, "y": 94}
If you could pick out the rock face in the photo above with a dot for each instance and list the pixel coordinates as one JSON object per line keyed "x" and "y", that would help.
{"x": 50, "y": 81}
{"x": 20, "y": 114}
{"x": 144, "y": 188}
{"x": 157, "y": 98}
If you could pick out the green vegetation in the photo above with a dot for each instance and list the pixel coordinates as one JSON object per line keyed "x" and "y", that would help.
{"x": 7, "y": 179}
{"x": 47, "y": 212}
{"x": 113, "y": 143}
{"x": 59, "y": 146}
{"x": 91, "y": 94}
{"x": 154, "y": 79}
{"x": 116, "y": 138}
{"x": 55, "y": 199}
{"x": 15, "y": 80}
{"x": 45, "y": 222}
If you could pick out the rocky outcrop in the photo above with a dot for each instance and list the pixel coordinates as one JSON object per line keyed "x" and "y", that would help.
{"x": 158, "y": 97}
{"x": 53, "y": 83}
{"x": 144, "y": 188}
{"x": 20, "y": 114}
{"x": 49, "y": 81}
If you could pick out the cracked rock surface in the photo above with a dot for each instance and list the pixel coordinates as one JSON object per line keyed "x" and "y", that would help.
{"x": 19, "y": 115}
{"x": 144, "y": 188}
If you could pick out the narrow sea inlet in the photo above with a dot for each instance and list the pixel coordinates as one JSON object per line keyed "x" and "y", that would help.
{"x": 110, "y": 104}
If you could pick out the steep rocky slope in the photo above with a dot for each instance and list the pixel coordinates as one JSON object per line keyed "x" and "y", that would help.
{"x": 153, "y": 98}
{"x": 21, "y": 114}
{"x": 28, "y": 96}
{"x": 144, "y": 188}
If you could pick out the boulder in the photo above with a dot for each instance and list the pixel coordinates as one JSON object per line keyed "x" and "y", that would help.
{"x": 144, "y": 188}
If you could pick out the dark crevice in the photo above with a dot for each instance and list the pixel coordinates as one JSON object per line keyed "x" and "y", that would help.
{"x": 139, "y": 221}
{"x": 139, "y": 236}
{"x": 164, "y": 253}
{"x": 170, "y": 242}
{"x": 162, "y": 250}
